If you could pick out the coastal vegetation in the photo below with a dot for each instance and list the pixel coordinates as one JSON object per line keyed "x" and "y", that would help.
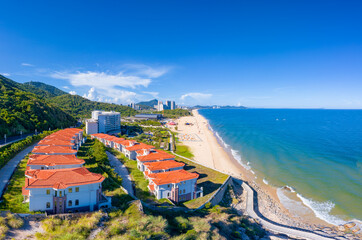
{"x": 22, "y": 111}
{"x": 10, "y": 221}
{"x": 75, "y": 228}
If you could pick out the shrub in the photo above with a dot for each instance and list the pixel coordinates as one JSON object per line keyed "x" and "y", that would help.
{"x": 14, "y": 221}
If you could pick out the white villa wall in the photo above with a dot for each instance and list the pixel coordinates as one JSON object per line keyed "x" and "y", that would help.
{"x": 55, "y": 167}
{"x": 162, "y": 191}
{"x": 87, "y": 196}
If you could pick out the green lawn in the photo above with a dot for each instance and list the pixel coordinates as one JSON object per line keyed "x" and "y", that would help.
{"x": 183, "y": 151}
{"x": 13, "y": 198}
{"x": 209, "y": 179}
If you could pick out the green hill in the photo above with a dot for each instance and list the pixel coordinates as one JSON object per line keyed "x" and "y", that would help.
{"x": 25, "y": 111}
{"x": 80, "y": 107}
{"x": 148, "y": 104}
{"x": 42, "y": 89}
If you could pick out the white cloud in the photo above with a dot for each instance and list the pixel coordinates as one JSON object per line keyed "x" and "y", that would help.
{"x": 196, "y": 96}
{"x": 144, "y": 70}
{"x": 27, "y": 65}
{"x": 5, "y": 74}
{"x": 113, "y": 95}
{"x": 65, "y": 87}
{"x": 73, "y": 93}
{"x": 102, "y": 80}
{"x": 153, "y": 94}
{"x": 105, "y": 86}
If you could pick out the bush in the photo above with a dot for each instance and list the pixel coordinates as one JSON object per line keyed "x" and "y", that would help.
{"x": 14, "y": 221}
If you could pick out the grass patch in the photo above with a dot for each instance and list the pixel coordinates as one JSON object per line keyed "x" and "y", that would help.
{"x": 13, "y": 198}
{"x": 184, "y": 151}
{"x": 77, "y": 228}
{"x": 209, "y": 179}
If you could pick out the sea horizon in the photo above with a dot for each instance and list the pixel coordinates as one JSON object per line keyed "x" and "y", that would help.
{"x": 295, "y": 154}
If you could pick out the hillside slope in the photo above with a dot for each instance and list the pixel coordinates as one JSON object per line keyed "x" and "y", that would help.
{"x": 41, "y": 88}
{"x": 80, "y": 107}
{"x": 25, "y": 111}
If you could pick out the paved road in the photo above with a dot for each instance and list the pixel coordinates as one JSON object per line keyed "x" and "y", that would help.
{"x": 7, "y": 171}
{"x": 252, "y": 211}
{"x": 122, "y": 171}
{"x": 13, "y": 139}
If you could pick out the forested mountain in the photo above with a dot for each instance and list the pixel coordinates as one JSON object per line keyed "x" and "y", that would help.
{"x": 39, "y": 87}
{"x": 74, "y": 105}
{"x": 24, "y": 111}
{"x": 80, "y": 107}
{"x": 148, "y": 104}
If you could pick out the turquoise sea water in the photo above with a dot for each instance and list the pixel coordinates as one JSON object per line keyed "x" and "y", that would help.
{"x": 316, "y": 152}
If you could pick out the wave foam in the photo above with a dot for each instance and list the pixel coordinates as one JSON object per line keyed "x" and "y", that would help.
{"x": 265, "y": 181}
{"x": 237, "y": 156}
{"x": 322, "y": 210}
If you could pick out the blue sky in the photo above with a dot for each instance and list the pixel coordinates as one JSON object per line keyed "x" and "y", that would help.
{"x": 295, "y": 54}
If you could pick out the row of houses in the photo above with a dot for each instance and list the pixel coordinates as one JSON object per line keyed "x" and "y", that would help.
{"x": 56, "y": 180}
{"x": 167, "y": 177}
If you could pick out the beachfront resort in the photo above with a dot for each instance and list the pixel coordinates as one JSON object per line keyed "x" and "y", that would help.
{"x": 167, "y": 178}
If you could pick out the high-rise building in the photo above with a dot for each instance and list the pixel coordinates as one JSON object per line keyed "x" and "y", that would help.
{"x": 105, "y": 121}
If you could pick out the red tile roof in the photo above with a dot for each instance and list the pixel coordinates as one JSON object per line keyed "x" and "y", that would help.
{"x": 155, "y": 155}
{"x": 55, "y": 141}
{"x": 151, "y": 187}
{"x": 53, "y": 150}
{"x": 54, "y": 160}
{"x": 139, "y": 146}
{"x": 61, "y": 178}
{"x": 24, "y": 191}
{"x": 127, "y": 143}
{"x": 172, "y": 177}
{"x": 163, "y": 165}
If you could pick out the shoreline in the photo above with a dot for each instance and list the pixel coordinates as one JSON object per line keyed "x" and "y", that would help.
{"x": 209, "y": 149}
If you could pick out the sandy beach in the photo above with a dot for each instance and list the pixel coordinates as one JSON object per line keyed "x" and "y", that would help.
{"x": 194, "y": 132}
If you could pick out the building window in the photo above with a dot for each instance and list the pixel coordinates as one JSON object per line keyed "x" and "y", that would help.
{"x": 77, "y": 189}
{"x": 60, "y": 193}
{"x": 168, "y": 194}
{"x": 70, "y": 190}
{"x": 42, "y": 168}
{"x": 48, "y": 191}
{"x": 168, "y": 185}
{"x": 180, "y": 191}
{"x": 76, "y": 202}
{"x": 184, "y": 191}
{"x": 48, "y": 204}
{"x": 70, "y": 203}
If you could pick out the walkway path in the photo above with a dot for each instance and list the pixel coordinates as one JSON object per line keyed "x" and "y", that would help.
{"x": 122, "y": 171}
{"x": 7, "y": 171}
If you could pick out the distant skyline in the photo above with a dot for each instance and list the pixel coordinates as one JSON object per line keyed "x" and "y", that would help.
{"x": 266, "y": 54}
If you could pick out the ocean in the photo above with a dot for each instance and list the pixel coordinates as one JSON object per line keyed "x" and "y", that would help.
{"x": 314, "y": 154}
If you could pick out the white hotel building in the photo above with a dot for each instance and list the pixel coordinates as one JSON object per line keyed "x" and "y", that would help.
{"x": 103, "y": 122}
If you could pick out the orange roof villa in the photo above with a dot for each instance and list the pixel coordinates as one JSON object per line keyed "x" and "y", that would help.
{"x": 64, "y": 190}
{"x": 178, "y": 185}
